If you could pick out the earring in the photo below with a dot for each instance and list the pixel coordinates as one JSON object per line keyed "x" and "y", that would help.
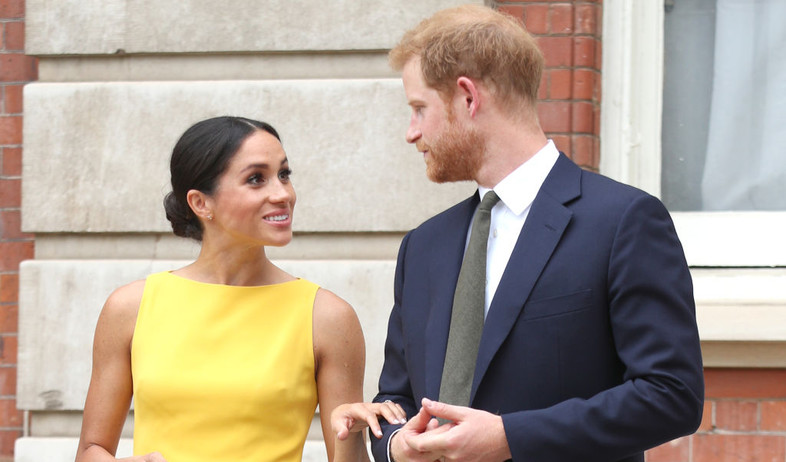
{"x": 210, "y": 217}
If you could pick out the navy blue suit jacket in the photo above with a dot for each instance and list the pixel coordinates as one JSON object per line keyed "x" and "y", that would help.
{"x": 590, "y": 350}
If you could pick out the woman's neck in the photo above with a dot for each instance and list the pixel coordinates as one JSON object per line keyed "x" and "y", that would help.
{"x": 234, "y": 265}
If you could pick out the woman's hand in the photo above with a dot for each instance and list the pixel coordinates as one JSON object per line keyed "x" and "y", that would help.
{"x": 354, "y": 417}
{"x": 98, "y": 454}
{"x": 152, "y": 457}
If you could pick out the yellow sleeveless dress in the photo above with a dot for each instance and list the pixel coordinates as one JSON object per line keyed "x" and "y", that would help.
{"x": 223, "y": 373}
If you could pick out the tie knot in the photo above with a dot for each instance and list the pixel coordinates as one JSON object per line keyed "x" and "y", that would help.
{"x": 489, "y": 200}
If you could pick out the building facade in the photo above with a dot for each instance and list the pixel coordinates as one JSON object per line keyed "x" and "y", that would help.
{"x": 93, "y": 95}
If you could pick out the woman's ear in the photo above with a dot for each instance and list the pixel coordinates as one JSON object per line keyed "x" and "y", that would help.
{"x": 468, "y": 91}
{"x": 200, "y": 204}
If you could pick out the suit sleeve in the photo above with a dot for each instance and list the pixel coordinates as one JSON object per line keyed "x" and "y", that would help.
{"x": 394, "y": 381}
{"x": 652, "y": 316}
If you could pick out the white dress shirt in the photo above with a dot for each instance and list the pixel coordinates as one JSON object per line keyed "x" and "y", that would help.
{"x": 516, "y": 191}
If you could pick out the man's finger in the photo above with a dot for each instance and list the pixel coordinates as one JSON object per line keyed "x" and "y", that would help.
{"x": 435, "y": 428}
{"x": 433, "y": 424}
{"x": 419, "y": 422}
{"x": 443, "y": 411}
{"x": 430, "y": 442}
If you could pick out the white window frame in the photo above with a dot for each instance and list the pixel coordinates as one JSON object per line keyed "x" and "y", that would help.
{"x": 631, "y": 107}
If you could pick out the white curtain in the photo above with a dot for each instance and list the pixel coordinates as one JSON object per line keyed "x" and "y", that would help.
{"x": 745, "y": 166}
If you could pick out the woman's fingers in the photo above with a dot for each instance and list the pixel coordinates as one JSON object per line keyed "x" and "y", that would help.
{"x": 342, "y": 421}
{"x": 392, "y": 412}
{"x": 355, "y": 417}
{"x": 373, "y": 424}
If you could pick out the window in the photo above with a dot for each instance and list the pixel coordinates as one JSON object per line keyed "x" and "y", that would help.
{"x": 724, "y": 105}
{"x": 647, "y": 141}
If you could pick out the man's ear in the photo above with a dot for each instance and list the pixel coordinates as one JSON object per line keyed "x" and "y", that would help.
{"x": 470, "y": 94}
{"x": 200, "y": 204}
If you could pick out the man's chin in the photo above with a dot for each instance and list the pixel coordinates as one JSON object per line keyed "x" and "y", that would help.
{"x": 440, "y": 177}
{"x": 438, "y": 180}
{"x": 435, "y": 175}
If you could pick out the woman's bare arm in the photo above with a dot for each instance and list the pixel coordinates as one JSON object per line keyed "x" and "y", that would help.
{"x": 111, "y": 387}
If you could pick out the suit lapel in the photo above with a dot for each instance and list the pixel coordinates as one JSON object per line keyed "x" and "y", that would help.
{"x": 444, "y": 264}
{"x": 540, "y": 235}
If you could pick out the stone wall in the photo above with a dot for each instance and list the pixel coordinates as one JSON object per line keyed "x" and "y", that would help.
{"x": 119, "y": 81}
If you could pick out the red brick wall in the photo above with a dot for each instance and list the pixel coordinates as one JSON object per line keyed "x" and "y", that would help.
{"x": 744, "y": 420}
{"x": 16, "y": 69}
{"x": 569, "y": 33}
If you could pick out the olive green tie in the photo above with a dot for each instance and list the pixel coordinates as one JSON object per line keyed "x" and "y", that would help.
{"x": 466, "y": 321}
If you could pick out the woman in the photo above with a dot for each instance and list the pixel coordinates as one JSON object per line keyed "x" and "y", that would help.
{"x": 227, "y": 358}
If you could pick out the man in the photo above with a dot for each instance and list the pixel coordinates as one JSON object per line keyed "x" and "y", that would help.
{"x": 587, "y": 347}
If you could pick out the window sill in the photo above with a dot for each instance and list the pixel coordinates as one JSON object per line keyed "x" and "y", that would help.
{"x": 739, "y": 313}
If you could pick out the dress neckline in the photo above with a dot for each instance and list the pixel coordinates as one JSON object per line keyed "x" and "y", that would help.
{"x": 214, "y": 284}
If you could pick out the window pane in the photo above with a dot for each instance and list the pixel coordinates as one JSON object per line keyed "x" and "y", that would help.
{"x": 724, "y": 112}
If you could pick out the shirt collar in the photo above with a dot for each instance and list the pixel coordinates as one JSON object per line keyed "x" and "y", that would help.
{"x": 518, "y": 190}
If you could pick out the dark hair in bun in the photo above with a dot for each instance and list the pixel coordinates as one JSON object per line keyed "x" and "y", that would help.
{"x": 200, "y": 156}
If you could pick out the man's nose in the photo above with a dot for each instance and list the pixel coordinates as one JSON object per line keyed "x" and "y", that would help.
{"x": 413, "y": 133}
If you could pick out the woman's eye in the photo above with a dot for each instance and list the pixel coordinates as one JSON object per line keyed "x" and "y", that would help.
{"x": 255, "y": 179}
{"x": 284, "y": 175}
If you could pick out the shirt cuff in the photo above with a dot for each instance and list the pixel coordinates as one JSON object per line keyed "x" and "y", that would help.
{"x": 390, "y": 458}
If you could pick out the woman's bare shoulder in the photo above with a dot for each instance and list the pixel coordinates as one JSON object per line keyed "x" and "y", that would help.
{"x": 122, "y": 305}
{"x": 332, "y": 309}
{"x": 336, "y": 325}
